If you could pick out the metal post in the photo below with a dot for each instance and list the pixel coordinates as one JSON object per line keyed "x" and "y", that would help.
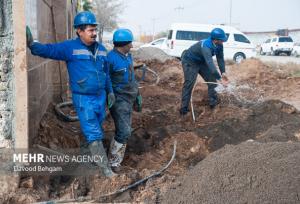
{"x": 230, "y": 12}
{"x": 153, "y": 19}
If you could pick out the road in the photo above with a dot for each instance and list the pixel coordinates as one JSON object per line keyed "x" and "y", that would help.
{"x": 279, "y": 59}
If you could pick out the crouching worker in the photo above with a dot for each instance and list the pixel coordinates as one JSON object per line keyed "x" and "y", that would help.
{"x": 198, "y": 59}
{"x": 90, "y": 83}
{"x": 125, "y": 88}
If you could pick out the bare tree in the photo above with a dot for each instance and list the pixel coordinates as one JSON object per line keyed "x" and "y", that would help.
{"x": 107, "y": 12}
{"x": 161, "y": 34}
{"x": 84, "y": 5}
{"x": 87, "y": 5}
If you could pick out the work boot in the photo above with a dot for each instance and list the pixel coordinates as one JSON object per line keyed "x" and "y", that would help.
{"x": 97, "y": 149}
{"x": 183, "y": 111}
{"x": 214, "y": 104}
{"x": 84, "y": 148}
{"x": 116, "y": 154}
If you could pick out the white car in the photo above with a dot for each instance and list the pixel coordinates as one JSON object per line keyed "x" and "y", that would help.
{"x": 160, "y": 43}
{"x": 277, "y": 45}
{"x": 296, "y": 50}
{"x": 182, "y": 36}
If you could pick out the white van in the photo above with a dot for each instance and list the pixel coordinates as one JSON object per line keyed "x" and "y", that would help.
{"x": 182, "y": 36}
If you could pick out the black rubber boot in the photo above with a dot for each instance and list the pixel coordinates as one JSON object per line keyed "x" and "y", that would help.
{"x": 97, "y": 148}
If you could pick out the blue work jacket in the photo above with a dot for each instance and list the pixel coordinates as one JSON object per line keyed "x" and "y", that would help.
{"x": 202, "y": 53}
{"x": 122, "y": 75}
{"x": 88, "y": 72}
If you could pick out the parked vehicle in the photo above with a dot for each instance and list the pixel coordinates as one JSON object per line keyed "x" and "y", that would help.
{"x": 182, "y": 36}
{"x": 277, "y": 45}
{"x": 296, "y": 50}
{"x": 160, "y": 43}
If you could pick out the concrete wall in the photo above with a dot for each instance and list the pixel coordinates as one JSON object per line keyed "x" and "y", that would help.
{"x": 13, "y": 91}
{"x": 44, "y": 75}
{"x": 6, "y": 73}
{"x": 28, "y": 84}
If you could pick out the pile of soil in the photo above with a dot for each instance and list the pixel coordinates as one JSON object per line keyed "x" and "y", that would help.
{"x": 270, "y": 81}
{"x": 251, "y": 172}
{"x": 151, "y": 53}
{"x": 269, "y": 121}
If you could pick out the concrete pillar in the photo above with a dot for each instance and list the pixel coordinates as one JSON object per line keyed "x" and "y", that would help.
{"x": 13, "y": 87}
{"x": 20, "y": 88}
{"x": 13, "y": 76}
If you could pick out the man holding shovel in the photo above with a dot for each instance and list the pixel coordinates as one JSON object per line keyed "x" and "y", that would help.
{"x": 198, "y": 59}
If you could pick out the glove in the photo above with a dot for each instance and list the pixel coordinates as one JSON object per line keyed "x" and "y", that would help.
{"x": 138, "y": 102}
{"x": 29, "y": 38}
{"x": 111, "y": 99}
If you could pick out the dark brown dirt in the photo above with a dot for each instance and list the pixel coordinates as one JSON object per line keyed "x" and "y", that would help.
{"x": 247, "y": 173}
{"x": 156, "y": 128}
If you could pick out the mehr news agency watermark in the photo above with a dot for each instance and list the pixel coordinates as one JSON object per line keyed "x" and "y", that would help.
{"x": 44, "y": 163}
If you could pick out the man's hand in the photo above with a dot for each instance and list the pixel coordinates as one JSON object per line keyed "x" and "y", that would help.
{"x": 111, "y": 99}
{"x": 139, "y": 102}
{"x": 138, "y": 65}
{"x": 224, "y": 80}
{"x": 29, "y": 38}
{"x": 224, "y": 77}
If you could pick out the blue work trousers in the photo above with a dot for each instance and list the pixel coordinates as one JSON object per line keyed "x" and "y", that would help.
{"x": 91, "y": 112}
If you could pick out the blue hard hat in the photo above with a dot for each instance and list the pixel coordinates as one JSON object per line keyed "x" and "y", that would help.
{"x": 123, "y": 35}
{"x": 218, "y": 34}
{"x": 85, "y": 18}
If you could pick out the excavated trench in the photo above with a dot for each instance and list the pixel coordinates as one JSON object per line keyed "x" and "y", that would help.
{"x": 154, "y": 132}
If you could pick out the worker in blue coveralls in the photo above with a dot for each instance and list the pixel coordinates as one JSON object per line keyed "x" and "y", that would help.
{"x": 126, "y": 92}
{"x": 89, "y": 79}
{"x": 198, "y": 59}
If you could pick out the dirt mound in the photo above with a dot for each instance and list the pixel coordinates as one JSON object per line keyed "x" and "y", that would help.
{"x": 270, "y": 121}
{"x": 151, "y": 53}
{"x": 247, "y": 173}
{"x": 269, "y": 80}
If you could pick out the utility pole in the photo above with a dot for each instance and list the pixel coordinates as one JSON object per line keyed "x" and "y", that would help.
{"x": 153, "y": 34}
{"x": 178, "y": 8}
{"x": 230, "y": 12}
{"x": 140, "y": 32}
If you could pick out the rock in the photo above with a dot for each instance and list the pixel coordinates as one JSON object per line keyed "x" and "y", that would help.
{"x": 27, "y": 182}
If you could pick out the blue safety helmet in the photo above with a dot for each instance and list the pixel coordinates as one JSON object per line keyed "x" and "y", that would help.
{"x": 123, "y": 35}
{"x": 85, "y": 18}
{"x": 218, "y": 34}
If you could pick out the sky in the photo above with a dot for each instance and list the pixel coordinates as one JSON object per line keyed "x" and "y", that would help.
{"x": 148, "y": 16}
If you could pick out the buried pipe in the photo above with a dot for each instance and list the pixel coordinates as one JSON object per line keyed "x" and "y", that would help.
{"x": 122, "y": 190}
{"x": 62, "y": 115}
{"x": 157, "y": 173}
{"x": 65, "y": 117}
{"x": 144, "y": 68}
